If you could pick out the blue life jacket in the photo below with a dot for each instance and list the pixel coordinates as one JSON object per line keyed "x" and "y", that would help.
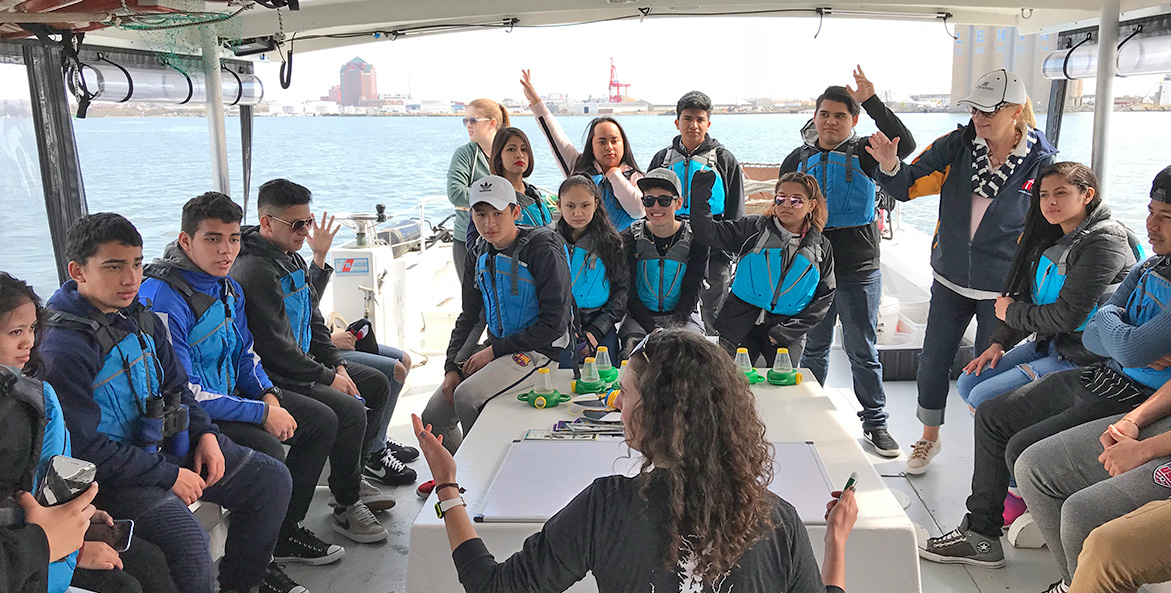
{"x": 659, "y": 278}
{"x": 214, "y": 341}
{"x": 508, "y": 289}
{"x": 685, "y": 167}
{"x": 1053, "y": 268}
{"x": 777, "y": 275}
{"x": 298, "y": 306}
{"x": 533, "y": 210}
{"x": 849, "y": 191}
{"x": 129, "y": 375}
{"x": 614, "y": 209}
{"x": 591, "y": 287}
{"x": 1148, "y": 299}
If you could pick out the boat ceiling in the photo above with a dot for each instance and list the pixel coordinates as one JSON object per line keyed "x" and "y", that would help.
{"x": 322, "y": 24}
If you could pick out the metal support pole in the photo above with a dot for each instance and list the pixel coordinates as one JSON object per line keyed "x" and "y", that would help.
{"x": 246, "y": 114}
{"x": 1056, "y": 110}
{"x": 56, "y": 146}
{"x": 1104, "y": 93}
{"x": 215, "y": 109}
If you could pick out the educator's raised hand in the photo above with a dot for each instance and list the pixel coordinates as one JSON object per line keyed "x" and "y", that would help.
{"x": 438, "y": 458}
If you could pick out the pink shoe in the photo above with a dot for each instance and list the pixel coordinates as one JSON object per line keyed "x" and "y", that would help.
{"x": 1013, "y": 507}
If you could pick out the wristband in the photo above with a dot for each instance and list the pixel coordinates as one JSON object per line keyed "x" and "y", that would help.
{"x": 274, "y": 391}
{"x": 1124, "y": 419}
{"x": 442, "y": 507}
{"x": 449, "y": 485}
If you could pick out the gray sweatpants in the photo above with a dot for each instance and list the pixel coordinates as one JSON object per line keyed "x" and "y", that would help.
{"x": 511, "y": 373}
{"x": 1069, "y": 493}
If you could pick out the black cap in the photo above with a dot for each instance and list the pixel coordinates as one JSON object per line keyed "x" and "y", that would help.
{"x": 1161, "y": 187}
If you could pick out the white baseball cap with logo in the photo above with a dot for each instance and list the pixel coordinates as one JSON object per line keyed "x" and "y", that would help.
{"x": 995, "y": 89}
{"x": 493, "y": 190}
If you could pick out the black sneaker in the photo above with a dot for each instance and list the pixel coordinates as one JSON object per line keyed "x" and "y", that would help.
{"x": 963, "y": 546}
{"x": 386, "y": 468}
{"x": 882, "y": 442}
{"x": 402, "y": 452}
{"x": 305, "y": 547}
{"x": 276, "y": 581}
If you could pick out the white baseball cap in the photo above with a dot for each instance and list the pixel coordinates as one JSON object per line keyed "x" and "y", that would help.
{"x": 995, "y": 89}
{"x": 493, "y": 190}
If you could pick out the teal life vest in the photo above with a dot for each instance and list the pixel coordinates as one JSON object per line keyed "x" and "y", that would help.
{"x": 533, "y": 210}
{"x": 1148, "y": 299}
{"x": 298, "y": 306}
{"x": 507, "y": 288}
{"x": 849, "y": 192}
{"x": 1053, "y": 267}
{"x": 614, "y": 209}
{"x": 685, "y": 167}
{"x": 214, "y": 342}
{"x": 591, "y": 287}
{"x": 777, "y": 275}
{"x": 659, "y": 278}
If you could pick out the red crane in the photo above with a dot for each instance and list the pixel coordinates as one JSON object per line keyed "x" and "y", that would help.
{"x": 617, "y": 89}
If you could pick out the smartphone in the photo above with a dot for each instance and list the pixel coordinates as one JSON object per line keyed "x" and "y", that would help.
{"x": 65, "y": 478}
{"x": 117, "y": 536}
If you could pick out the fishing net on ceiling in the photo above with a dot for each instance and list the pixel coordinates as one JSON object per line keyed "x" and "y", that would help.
{"x": 176, "y": 37}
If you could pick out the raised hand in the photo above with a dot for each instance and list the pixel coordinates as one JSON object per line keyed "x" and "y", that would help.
{"x": 865, "y": 88}
{"x": 526, "y": 81}
{"x": 321, "y": 238}
{"x": 884, "y": 150}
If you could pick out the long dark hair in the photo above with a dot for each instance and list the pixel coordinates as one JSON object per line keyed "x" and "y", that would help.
{"x": 586, "y": 162}
{"x": 1039, "y": 234}
{"x": 696, "y": 423}
{"x": 607, "y": 242}
{"x": 15, "y": 292}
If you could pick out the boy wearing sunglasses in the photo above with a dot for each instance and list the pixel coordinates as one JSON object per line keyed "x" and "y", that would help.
{"x": 666, "y": 260}
{"x": 517, "y": 279}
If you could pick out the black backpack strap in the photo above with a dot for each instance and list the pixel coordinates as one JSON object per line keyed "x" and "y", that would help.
{"x": 23, "y": 400}
{"x": 198, "y": 302}
{"x": 106, "y": 336}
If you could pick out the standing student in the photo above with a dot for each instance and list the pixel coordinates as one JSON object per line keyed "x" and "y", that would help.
{"x": 692, "y": 151}
{"x": 108, "y": 357}
{"x": 666, "y": 263}
{"x": 597, "y": 266}
{"x": 836, "y": 156}
{"x": 512, "y": 159}
{"x": 482, "y": 118}
{"x": 517, "y": 279}
{"x": 606, "y": 158}
{"x": 784, "y": 281}
{"x": 983, "y": 173}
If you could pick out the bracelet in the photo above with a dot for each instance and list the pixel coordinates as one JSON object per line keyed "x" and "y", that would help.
{"x": 449, "y": 485}
{"x": 1124, "y": 419}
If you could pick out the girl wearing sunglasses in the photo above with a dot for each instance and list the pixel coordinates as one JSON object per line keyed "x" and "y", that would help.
{"x": 784, "y": 281}
{"x": 469, "y": 163}
{"x": 606, "y": 158}
{"x": 597, "y": 266}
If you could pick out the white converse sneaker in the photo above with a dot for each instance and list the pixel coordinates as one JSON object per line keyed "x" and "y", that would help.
{"x": 922, "y": 455}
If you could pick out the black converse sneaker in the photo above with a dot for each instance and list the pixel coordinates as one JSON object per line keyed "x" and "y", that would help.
{"x": 386, "y": 468}
{"x": 964, "y": 546}
{"x": 305, "y": 547}
{"x": 401, "y": 451}
{"x": 276, "y": 581}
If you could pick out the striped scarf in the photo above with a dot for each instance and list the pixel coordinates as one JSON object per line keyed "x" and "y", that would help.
{"x": 988, "y": 181}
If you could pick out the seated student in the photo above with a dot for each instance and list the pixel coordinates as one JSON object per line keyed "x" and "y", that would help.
{"x": 208, "y": 330}
{"x": 96, "y": 566}
{"x": 607, "y": 158}
{"x": 698, "y": 516}
{"x": 693, "y": 150}
{"x": 1131, "y": 329}
{"x": 293, "y": 343}
{"x": 597, "y": 266}
{"x": 130, "y": 412}
{"x": 666, "y": 263}
{"x": 518, "y": 279}
{"x": 1127, "y": 553}
{"x": 784, "y": 280}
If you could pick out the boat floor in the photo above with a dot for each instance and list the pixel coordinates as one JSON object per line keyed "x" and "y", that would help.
{"x": 937, "y": 499}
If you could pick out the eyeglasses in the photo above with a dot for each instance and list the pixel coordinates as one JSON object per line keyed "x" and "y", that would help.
{"x": 794, "y": 201}
{"x": 474, "y": 120}
{"x": 664, "y": 201}
{"x": 985, "y": 114}
{"x": 296, "y": 225}
{"x": 639, "y": 348}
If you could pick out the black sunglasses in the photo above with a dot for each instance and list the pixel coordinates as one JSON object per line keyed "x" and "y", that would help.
{"x": 664, "y": 201}
{"x": 296, "y": 225}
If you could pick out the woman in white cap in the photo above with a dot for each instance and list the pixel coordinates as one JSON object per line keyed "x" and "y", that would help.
{"x": 984, "y": 173}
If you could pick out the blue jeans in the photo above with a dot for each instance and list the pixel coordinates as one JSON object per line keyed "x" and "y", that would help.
{"x": 947, "y": 321}
{"x": 383, "y": 362}
{"x": 856, "y": 301}
{"x": 1017, "y": 368}
{"x": 610, "y": 341}
{"x": 255, "y": 488}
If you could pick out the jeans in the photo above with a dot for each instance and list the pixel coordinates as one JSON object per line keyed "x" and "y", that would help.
{"x": 947, "y": 321}
{"x": 144, "y": 570}
{"x": 715, "y": 288}
{"x": 856, "y": 301}
{"x": 1018, "y": 367}
{"x": 357, "y": 426}
{"x": 255, "y": 488}
{"x": 308, "y": 448}
{"x": 1009, "y": 424}
{"x": 383, "y": 362}
{"x": 761, "y": 348}
{"x": 631, "y": 332}
{"x": 610, "y": 341}
{"x": 1070, "y": 493}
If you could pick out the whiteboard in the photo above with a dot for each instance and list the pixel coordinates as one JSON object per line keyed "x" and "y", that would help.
{"x": 538, "y": 478}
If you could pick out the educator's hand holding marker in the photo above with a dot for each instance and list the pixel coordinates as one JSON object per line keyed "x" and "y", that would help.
{"x": 840, "y": 514}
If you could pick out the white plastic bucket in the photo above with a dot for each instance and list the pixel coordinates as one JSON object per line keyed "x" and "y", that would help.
{"x": 888, "y": 318}
{"x": 915, "y": 307}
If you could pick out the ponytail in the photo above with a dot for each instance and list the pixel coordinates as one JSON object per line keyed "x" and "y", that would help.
{"x": 493, "y": 110}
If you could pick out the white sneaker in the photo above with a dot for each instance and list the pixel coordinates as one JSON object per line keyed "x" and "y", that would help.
{"x": 1024, "y": 533}
{"x": 922, "y": 455}
{"x": 358, "y": 523}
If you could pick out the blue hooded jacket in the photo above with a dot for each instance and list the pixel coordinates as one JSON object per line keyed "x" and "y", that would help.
{"x": 56, "y": 443}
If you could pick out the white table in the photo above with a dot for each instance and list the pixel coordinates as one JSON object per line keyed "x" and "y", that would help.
{"x": 881, "y": 556}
